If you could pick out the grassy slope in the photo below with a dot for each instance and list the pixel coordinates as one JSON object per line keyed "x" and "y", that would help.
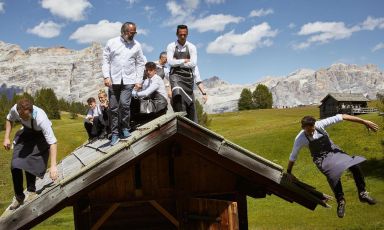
{"x": 269, "y": 133}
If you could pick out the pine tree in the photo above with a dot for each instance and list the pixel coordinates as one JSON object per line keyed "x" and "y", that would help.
{"x": 245, "y": 101}
{"x": 46, "y": 99}
{"x": 202, "y": 117}
{"x": 262, "y": 98}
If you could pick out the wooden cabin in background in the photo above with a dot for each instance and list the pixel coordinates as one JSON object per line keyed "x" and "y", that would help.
{"x": 347, "y": 103}
{"x": 170, "y": 174}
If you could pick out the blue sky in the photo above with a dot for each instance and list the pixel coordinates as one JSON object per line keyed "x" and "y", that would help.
{"x": 240, "y": 41}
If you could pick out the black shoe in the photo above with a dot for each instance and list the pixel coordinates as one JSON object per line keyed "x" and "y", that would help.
{"x": 365, "y": 198}
{"x": 341, "y": 208}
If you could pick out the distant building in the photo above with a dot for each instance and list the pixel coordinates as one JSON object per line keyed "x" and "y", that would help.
{"x": 348, "y": 103}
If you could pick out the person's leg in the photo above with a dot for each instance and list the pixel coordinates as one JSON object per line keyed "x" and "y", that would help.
{"x": 114, "y": 97}
{"x": 31, "y": 182}
{"x": 191, "y": 112}
{"x": 358, "y": 177}
{"x": 360, "y": 184}
{"x": 125, "y": 103}
{"x": 177, "y": 103}
{"x": 339, "y": 195}
{"x": 88, "y": 128}
{"x": 17, "y": 178}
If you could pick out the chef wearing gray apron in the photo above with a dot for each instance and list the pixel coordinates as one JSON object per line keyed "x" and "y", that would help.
{"x": 329, "y": 158}
{"x": 32, "y": 146}
{"x": 182, "y": 58}
{"x": 182, "y": 80}
{"x": 332, "y": 162}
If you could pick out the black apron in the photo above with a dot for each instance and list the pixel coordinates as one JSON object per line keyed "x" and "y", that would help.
{"x": 31, "y": 151}
{"x": 182, "y": 79}
{"x": 330, "y": 159}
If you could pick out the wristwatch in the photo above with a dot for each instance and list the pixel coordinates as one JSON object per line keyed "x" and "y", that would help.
{"x": 204, "y": 93}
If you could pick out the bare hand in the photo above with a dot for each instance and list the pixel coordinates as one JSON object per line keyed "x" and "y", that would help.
{"x": 53, "y": 173}
{"x": 7, "y": 144}
{"x": 186, "y": 60}
{"x": 107, "y": 82}
{"x": 371, "y": 126}
{"x": 137, "y": 87}
{"x": 291, "y": 178}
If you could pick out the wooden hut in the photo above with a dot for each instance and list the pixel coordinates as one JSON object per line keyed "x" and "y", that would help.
{"x": 170, "y": 174}
{"x": 348, "y": 103}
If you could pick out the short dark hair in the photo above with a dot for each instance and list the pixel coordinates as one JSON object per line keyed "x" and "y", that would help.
{"x": 163, "y": 53}
{"x": 180, "y": 27}
{"x": 24, "y": 104}
{"x": 150, "y": 65}
{"x": 125, "y": 25}
{"x": 90, "y": 100}
{"x": 308, "y": 121}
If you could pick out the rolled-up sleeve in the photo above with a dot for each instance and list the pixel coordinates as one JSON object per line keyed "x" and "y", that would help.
{"x": 329, "y": 121}
{"x": 140, "y": 65}
{"x": 299, "y": 143}
{"x": 46, "y": 128}
{"x": 13, "y": 115}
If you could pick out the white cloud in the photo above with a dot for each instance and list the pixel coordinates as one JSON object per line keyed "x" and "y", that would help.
{"x": 214, "y": 1}
{"x": 100, "y": 32}
{"x": 146, "y": 48}
{"x": 214, "y": 22}
{"x": 291, "y": 25}
{"x": 132, "y": 2}
{"x": 2, "y": 7}
{"x": 324, "y": 32}
{"x": 371, "y": 23}
{"x": 73, "y": 10}
{"x": 260, "y": 12}
{"x": 242, "y": 44}
{"x": 46, "y": 29}
{"x": 180, "y": 13}
{"x": 378, "y": 47}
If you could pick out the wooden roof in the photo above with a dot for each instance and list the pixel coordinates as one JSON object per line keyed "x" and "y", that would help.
{"x": 91, "y": 162}
{"x": 346, "y": 97}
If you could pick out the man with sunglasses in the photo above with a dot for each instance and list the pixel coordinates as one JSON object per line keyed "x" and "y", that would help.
{"x": 123, "y": 68}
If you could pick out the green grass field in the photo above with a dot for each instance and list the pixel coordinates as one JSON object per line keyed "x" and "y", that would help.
{"x": 269, "y": 133}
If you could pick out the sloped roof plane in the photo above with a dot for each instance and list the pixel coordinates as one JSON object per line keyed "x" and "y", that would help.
{"x": 93, "y": 161}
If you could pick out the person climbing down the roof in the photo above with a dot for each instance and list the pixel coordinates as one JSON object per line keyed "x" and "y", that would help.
{"x": 33, "y": 144}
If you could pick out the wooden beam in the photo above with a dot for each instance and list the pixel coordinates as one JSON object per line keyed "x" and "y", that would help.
{"x": 165, "y": 213}
{"x": 105, "y": 216}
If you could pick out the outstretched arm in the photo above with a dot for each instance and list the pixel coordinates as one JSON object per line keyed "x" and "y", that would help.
{"x": 369, "y": 124}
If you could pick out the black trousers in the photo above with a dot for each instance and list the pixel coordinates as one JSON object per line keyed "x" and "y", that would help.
{"x": 98, "y": 126}
{"x": 17, "y": 177}
{"x": 359, "y": 181}
{"x": 179, "y": 105}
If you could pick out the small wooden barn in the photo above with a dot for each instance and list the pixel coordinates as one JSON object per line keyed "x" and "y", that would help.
{"x": 170, "y": 174}
{"x": 348, "y": 103}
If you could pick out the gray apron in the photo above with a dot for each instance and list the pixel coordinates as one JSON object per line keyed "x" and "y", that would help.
{"x": 31, "y": 151}
{"x": 330, "y": 159}
{"x": 160, "y": 71}
{"x": 182, "y": 80}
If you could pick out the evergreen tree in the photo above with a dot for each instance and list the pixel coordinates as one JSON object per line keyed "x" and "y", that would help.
{"x": 46, "y": 99}
{"x": 262, "y": 98}
{"x": 245, "y": 101}
{"x": 4, "y": 108}
{"x": 202, "y": 116}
